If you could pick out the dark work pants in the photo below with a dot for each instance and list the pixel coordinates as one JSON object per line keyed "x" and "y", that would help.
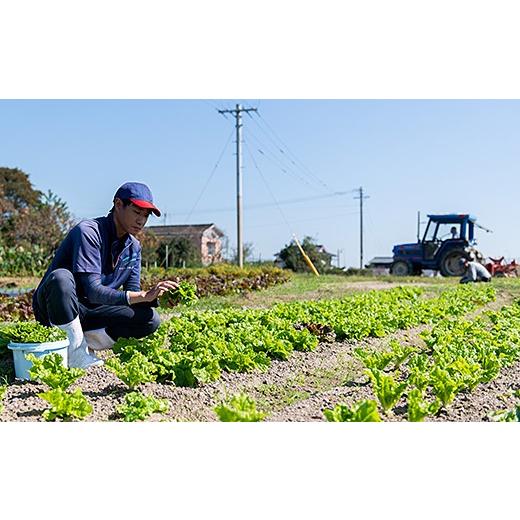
{"x": 56, "y": 302}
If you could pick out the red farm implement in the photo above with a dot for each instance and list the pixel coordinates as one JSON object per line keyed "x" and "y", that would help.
{"x": 499, "y": 267}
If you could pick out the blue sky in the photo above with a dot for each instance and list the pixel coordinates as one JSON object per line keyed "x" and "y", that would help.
{"x": 409, "y": 156}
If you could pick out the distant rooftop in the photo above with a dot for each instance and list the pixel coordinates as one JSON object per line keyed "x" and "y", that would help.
{"x": 183, "y": 229}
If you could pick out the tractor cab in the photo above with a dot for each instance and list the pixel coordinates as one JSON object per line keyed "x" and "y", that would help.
{"x": 446, "y": 240}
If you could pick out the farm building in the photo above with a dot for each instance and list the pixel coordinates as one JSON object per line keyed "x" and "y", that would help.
{"x": 207, "y": 238}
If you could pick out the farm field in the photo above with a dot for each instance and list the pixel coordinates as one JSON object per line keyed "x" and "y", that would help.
{"x": 383, "y": 348}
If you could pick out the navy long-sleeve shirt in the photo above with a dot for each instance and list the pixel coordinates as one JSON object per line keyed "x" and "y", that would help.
{"x": 100, "y": 262}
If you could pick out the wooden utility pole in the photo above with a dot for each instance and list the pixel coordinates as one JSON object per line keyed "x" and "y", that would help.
{"x": 361, "y": 197}
{"x": 237, "y": 112}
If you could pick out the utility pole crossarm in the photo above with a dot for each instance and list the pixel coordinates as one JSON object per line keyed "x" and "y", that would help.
{"x": 234, "y": 110}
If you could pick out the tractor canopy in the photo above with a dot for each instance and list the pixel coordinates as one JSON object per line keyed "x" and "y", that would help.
{"x": 466, "y": 222}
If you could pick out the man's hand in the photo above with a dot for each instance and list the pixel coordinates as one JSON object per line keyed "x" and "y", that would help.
{"x": 153, "y": 293}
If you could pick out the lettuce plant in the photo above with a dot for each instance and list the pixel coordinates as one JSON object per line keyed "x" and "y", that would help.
{"x": 386, "y": 388}
{"x": 418, "y": 407}
{"x": 65, "y": 405}
{"x": 138, "y": 369}
{"x": 444, "y": 386}
{"x": 30, "y": 332}
{"x": 240, "y": 408}
{"x": 400, "y": 352}
{"x": 3, "y": 390}
{"x": 185, "y": 294}
{"x": 138, "y": 407}
{"x": 374, "y": 359}
{"x": 363, "y": 411}
{"x": 51, "y": 371}
{"x": 419, "y": 368}
{"x": 506, "y": 415}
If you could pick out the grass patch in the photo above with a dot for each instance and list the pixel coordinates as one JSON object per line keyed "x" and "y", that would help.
{"x": 275, "y": 397}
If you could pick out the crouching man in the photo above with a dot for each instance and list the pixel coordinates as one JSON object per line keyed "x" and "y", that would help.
{"x": 474, "y": 272}
{"x": 80, "y": 292}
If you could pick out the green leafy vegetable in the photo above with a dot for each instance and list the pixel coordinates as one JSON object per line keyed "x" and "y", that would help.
{"x": 506, "y": 415}
{"x": 374, "y": 359}
{"x": 400, "y": 352}
{"x": 185, "y": 294}
{"x": 418, "y": 407}
{"x": 138, "y": 369}
{"x": 64, "y": 405}
{"x": 386, "y": 388}
{"x": 138, "y": 407}
{"x": 195, "y": 347}
{"x": 3, "y": 390}
{"x": 51, "y": 371}
{"x": 240, "y": 408}
{"x": 30, "y": 332}
{"x": 419, "y": 371}
{"x": 364, "y": 411}
{"x": 444, "y": 386}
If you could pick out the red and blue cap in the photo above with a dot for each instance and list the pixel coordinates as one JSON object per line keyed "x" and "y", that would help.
{"x": 139, "y": 194}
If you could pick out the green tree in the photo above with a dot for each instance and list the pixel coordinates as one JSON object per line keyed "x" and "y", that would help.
{"x": 293, "y": 259}
{"x": 44, "y": 223}
{"x": 32, "y": 223}
{"x": 16, "y": 192}
{"x": 182, "y": 252}
{"x": 149, "y": 247}
{"x": 247, "y": 251}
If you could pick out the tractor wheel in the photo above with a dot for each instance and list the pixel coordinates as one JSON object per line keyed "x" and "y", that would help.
{"x": 450, "y": 263}
{"x": 400, "y": 268}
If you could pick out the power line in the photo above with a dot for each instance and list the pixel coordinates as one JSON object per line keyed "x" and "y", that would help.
{"x": 270, "y": 204}
{"x": 269, "y": 190}
{"x": 302, "y": 199}
{"x": 335, "y": 216}
{"x": 209, "y": 178}
{"x": 213, "y": 105}
{"x": 302, "y": 165}
{"x": 285, "y": 157}
{"x": 285, "y": 169}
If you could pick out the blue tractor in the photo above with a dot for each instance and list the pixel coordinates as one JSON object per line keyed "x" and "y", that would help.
{"x": 447, "y": 239}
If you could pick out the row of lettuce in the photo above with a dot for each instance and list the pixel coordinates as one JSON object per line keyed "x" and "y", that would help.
{"x": 457, "y": 356}
{"x": 196, "y": 347}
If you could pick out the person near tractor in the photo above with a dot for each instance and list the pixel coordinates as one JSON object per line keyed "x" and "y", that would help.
{"x": 80, "y": 291}
{"x": 474, "y": 272}
{"x": 454, "y": 233}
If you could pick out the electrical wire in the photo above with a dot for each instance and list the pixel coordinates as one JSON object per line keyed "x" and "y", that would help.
{"x": 284, "y": 169}
{"x": 329, "y": 217}
{"x": 295, "y": 159}
{"x": 210, "y": 176}
{"x": 269, "y": 189}
{"x": 290, "y": 163}
{"x": 262, "y": 205}
{"x": 213, "y": 105}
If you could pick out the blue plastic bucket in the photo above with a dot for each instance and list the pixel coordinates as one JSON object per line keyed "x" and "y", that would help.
{"x": 23, "y": 365}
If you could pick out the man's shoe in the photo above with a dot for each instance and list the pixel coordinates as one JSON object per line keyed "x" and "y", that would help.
{"x": 77, "y": 351}
{"x": 80, "y": 358}
{"x": 98, "y": 339}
